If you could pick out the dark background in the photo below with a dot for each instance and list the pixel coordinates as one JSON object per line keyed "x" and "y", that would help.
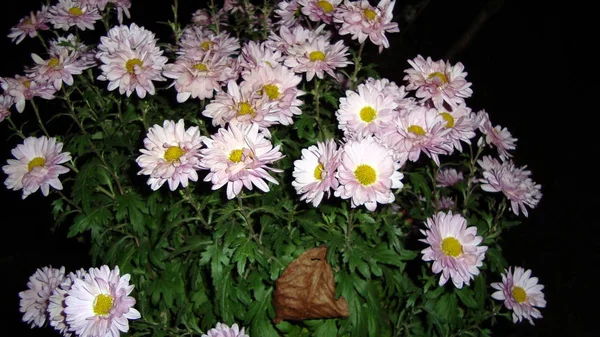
{"x": 532, "y": 67}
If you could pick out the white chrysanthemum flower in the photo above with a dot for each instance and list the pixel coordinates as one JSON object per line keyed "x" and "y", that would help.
{"x": 460, "y": 124}
{"x": 363, "y": 21}
{"x": 521, "y": 293}
{"x": 23, "y": 88}
{"x": 514, "y": 182}
{"x": 56, "y": 305}
{"x": 314, "y": 173}
{"x": 196, "y": 41}
{"x": 36, "y": 166}
{"x": 223, "y": 330}
{"x": 199, "y": 77}
{"x": 318, "y": 57}
{"x": 29, "y": 25}
{"x": 288, "y": 12}
{"x": 239, "y": 157}
{"x": 448, "y": 177}
{"x": 365, "y": 111}
{"x": 34, "y": 301}
{"x": 367, "y": 174}
{"x": 131, "y": 60}
{"x": 239, "y": 105}
{"x": 438, "y": 81}
{"x": 453, "y": 247}
{"x": 59, "y": 68}
{"x": 319, "y": 10}
{"x": 68, "y": 13}
{"x": 496, "y": 136}
{"x": 171, "y": 154}
{"x": 277, "y": 85}
{"x": 421, "y": 130}
{"x": 99, "y": 304}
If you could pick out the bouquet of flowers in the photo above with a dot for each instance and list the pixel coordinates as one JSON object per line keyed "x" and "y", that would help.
{"x": 252, "y": 175}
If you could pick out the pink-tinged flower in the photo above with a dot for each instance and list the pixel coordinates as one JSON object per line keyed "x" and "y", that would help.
{"x": 171, "y": 154}
{"x": 131, "y": 60}
{"x": 59, "y": 68}
{"x": 318, "y": 57}
{"x": 362, "y": 20}
{"x": 57, "y": 305}
{"x": 365, "y": 111}
{"x": 239, "y": 157}
{"x": 367, "y": 174}
{"x": 438, "y": 81}
{"x": 288, "y": 13}
{"x": 460, "y": 124}
{"x": 29, "y": 25}
{"x": 196, "y": 41}
{"x": 223, "y": 330}
{"x": 239, "y": 105}
{"x": 99, "y": 304}
{"x": 68, "y": 13}
{"x": 202, "y": 17}
{"x": 404, "y": 104}
{"x": 277, "y": 85}
{"x": 290, "y": 41}
{"x": 514, "y": 182}
{"x": 444, "y": 203}
{"x": 453, "y": 247}
{"x": 79, "y": 53}
{"x": 36, "y": 166}
{"x": 521, "y": 293}
{"x": 447, "y": 177}
{"x": 496, "y": 136}
{"x": 122, "y": 7}
{"x": 319, "y": 10}
{"x": 258, "y": 55}
{"x": 199, "y": 77}
{"x": 314, "y": 173}
{"x": 34, "y": 301}
{"x": 23, "y": 88}
{"x": 6, "y": 102}
{"x": 421, "y": 130}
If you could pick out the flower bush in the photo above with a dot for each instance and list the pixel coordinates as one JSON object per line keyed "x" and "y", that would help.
{"x": 251, "y": 175}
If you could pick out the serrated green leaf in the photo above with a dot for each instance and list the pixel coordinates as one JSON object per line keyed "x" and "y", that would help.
{"x": 327, "y": 329}
{"x": 467, "y": 297}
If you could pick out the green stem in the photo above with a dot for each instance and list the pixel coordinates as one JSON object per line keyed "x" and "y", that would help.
{"x": 14, "y": 128}
{"x": 39, "y": 119}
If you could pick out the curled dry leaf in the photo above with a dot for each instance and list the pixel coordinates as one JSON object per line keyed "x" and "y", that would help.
{"x": 306, "y": 290}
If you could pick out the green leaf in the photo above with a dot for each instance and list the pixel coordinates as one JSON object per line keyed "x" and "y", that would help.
{"x": 131, "y": 207}
{"x": 467, "y": 297}
{"x": 96, "y": 219}
{"x": 495, "y": 259}
{"x": 327, "y": 329}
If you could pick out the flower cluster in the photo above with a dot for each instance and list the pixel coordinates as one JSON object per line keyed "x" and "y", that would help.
{"x": 88, "y": 303}
{"x": 258, "y": 102}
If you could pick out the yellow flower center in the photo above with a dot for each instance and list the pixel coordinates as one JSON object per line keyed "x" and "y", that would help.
{"x": 272, "y": 91}
{"x": 236, "y": 155}
{"x": 36, "y": 162}
{"x": 417, "y": 130}
{"x": 365, "y": 174}
{"x": 130, "y": 65}
{"x": 519, "y": 294}
{"x": 200, "y": 67}
{"x": 206, "y": 45}
{"x": 316, "y": 56}
{"x": 451, "y": 247}
{"x": 368, "y": 114}
{"x": 319, "y": 171}
{"x": 76, "y": 11}
{"x": 449, "y": 119}
{"x": 102, "y": 304}
{"x": 53, "y": 62}
{"x": 326, "y": 6}
{"x": 245, "y": 109}
{"x": 442, "y": 77}
{"x": 27, "y": 83}
{"x": 369, "y": 14}
{"x": 173, "y": 153}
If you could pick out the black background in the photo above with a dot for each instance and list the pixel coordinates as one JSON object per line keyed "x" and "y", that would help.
{"x": 532, "y": 68}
